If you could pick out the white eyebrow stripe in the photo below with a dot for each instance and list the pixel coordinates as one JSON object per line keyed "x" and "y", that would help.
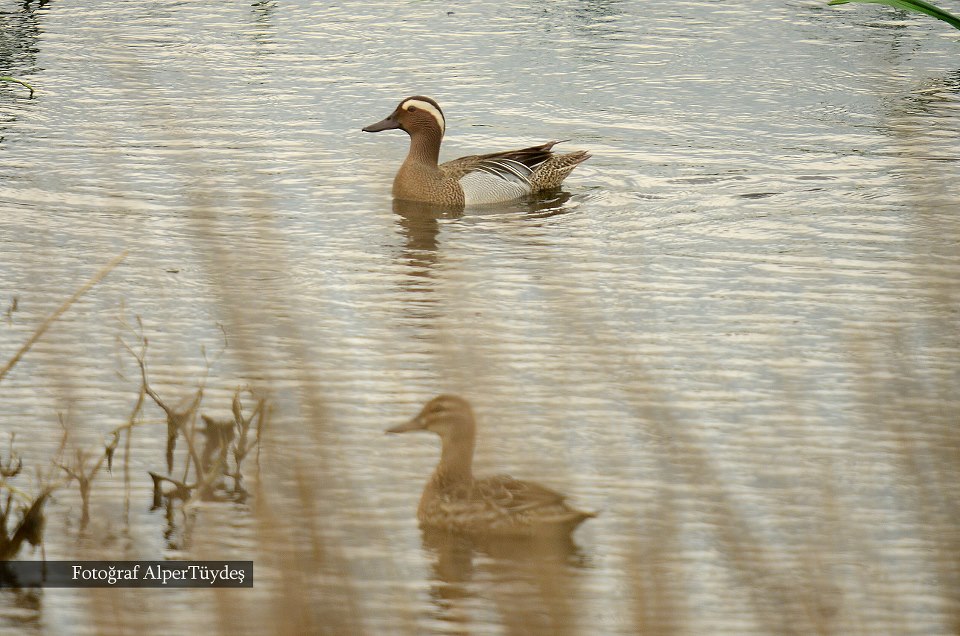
{"x": 430, "y": 108}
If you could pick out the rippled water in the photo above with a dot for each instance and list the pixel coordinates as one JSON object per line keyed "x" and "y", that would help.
{"x": 735, "y": 334}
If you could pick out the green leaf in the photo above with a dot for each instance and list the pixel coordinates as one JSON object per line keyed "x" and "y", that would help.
{"x": 912, "y": 5}
{"x": 4, "y": 78}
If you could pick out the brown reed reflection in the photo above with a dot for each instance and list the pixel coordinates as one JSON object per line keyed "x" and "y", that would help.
{"x": 29, "y": 527}
{"x": 928, "y": 447}
{"x": 308, "y": 587}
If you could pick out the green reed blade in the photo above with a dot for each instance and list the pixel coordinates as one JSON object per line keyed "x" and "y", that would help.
{"x": 912, "y": 5}
{"x": 4, "y": 78}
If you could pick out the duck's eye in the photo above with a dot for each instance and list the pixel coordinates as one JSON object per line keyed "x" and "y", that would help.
{"x": 411, "y": 109}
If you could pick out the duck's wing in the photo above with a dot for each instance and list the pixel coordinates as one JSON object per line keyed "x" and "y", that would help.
{"x": 499, "y": 176}
{"x": 499, "y": 505}
{"x": 515, "y": 496}
{"x": 504, "y": 163}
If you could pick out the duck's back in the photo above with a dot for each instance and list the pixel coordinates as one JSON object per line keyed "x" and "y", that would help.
{"x": 499, "y": 505}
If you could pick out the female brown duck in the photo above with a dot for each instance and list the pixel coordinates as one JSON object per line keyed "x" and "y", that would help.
{"x": 454, "y": 500}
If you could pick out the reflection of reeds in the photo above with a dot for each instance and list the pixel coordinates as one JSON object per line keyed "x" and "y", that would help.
{"x": 652, "y": 573}
{"x": 203, "y": 472}
{"x": 42, "y": 327}
{"x": 30, "y": 527}
{"x": 919, "y": 411}
{"x": 310, "y": 590}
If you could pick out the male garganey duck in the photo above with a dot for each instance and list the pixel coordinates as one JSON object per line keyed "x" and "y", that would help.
{"x": 454, "y": 500}
{"x": 473, "y": 180}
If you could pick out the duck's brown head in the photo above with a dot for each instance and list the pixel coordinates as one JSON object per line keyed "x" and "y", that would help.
{"x": 412, "y": 115}
{"x": 448, "y": 416}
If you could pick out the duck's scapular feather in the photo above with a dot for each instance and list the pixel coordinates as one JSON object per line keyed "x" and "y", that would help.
{"x": 454, "y": 500}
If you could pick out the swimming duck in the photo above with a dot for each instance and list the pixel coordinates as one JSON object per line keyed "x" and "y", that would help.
{"x": 454, "y": 500}
{"x": 472, "y": 180}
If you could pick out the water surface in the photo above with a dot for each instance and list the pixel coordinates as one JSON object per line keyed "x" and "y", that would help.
{"x": 735, "y": 334}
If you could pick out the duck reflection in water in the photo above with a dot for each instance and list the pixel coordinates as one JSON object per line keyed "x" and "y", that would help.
{"x": 420, "y": 225}
{"x": 532, "y": 583}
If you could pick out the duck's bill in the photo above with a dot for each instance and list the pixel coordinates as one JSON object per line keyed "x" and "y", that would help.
{"x": 413, "y": 425}
{"x": 387, "y": 124}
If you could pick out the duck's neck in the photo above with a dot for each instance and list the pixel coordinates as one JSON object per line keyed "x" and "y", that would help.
{"x": 456, "y": 463}
{"x": 425, "y": 147}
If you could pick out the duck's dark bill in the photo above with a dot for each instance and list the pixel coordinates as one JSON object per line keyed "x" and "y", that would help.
{"x": 413, "y": 425}
{"x": 387, "y": 124}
